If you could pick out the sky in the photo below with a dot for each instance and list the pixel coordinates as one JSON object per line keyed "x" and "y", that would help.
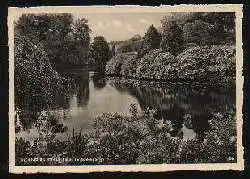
{"x": 121, "y": 26}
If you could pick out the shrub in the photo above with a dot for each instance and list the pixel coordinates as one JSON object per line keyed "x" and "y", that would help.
{"x": 214, "y": 64}
{"x": 139, "y": 137}
{"x": 211, "y": 65}
{"x": 154, "y": 65}
{"x": 113, "y": 66}
{"x": 128, "y": 67}
{"x": 35, "y": 78}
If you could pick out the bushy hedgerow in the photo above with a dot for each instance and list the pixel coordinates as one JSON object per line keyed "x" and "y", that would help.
{"x": 113, "y": 66}
{"x": 215, "y": 64}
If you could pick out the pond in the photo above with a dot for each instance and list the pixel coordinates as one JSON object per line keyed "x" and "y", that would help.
{"x": 187, "y": 107}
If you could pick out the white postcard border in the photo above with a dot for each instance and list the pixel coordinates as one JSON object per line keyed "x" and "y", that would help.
{"x": 14, "y": 13}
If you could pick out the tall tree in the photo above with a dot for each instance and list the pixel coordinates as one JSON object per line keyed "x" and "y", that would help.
{"x": 172, "y": 37}
{"x": 45, "y": 27}
{"x": 99, "y": 51}
{"x": 81, "y": 35}
{"x": 199, "y": 33}
{"x": 151, "y": 40}
{"x": 65, "y": 41}
{"x": 223, "y": 24}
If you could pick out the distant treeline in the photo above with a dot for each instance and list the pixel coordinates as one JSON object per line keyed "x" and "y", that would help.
{"x": 182, "y": 30}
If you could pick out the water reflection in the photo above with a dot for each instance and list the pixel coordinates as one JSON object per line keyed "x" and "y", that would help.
{"x": 82, "y": 83}
{"x": 183, "y": 105}
{"x": 187, "y": 108}
{"x": 99, "y": 81}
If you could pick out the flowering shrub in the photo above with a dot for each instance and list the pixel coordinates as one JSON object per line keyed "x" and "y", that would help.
{"x": 215, "y": 64}
{"x": 113, "y": 66}
{"x": 128, "y": 67}
{"x": 154, "y": 65}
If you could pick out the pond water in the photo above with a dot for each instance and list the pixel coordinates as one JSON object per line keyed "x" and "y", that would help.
{"x": 187, "y": 107}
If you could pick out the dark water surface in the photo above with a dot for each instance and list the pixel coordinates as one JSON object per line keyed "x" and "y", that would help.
{"x": 187, "y": 107}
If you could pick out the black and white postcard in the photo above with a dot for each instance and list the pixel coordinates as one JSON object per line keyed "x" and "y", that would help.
{"x": 125, "y": 88}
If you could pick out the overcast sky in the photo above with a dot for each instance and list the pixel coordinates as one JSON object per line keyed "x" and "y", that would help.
{"x": 121, "y": 26}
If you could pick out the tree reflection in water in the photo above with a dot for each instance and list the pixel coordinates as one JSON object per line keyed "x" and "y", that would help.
{"x": 182, "y": 105}
{"x": 82, "y": 93}
{"x": 99, "y": 81}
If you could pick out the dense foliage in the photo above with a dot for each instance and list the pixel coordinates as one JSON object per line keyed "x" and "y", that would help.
{"x": 154, "y": 65}
{"x": 66, "y": 41}
{"x": 199, "y": 32}
{"x": 151, "y": 40}
{"x": 33, "y": 74}
{"x": 114, "y": 65}
{"x": 220, "y": 26}
{"x": 100, "y": 53}
{"x": 193, "y": 64}
{"x": 172, "y": 38}
{"x": 193, "y": 46}
{"x": 139, "y": 138}
{"x": 199, "y": 63}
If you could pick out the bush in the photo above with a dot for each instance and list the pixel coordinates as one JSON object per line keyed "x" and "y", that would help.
{"x": 113, "y": 66}
{"x": 128, "y": 67}
{"x": 35, "y": 78}
{"x": 214, "y": 64}
{"x": 139, "y": 137}
{"x": 154, "y": 65}
{"x": 199, "y": 32}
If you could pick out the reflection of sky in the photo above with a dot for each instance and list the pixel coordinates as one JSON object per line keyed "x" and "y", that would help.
{"x": 79, "y": 118}
{"x": 107, "y": 99}
{"x": 121, "y": 26}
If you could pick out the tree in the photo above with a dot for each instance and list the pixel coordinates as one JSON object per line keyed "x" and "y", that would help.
{"x": 99, "y": 51}
{"x": 81, "y": 35}
{"x": 199, "y": 33}
{"x": 136, "y": 37}
{"x": 223, "y": 24}
{"x": 151, "y": 40}
{"x": 45, "y": 27}
{"x": 65, "y": 41}
{"x": 224, "y": 19}
{"x": 172, "y": 37}
{"x": 81, "y": 32}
